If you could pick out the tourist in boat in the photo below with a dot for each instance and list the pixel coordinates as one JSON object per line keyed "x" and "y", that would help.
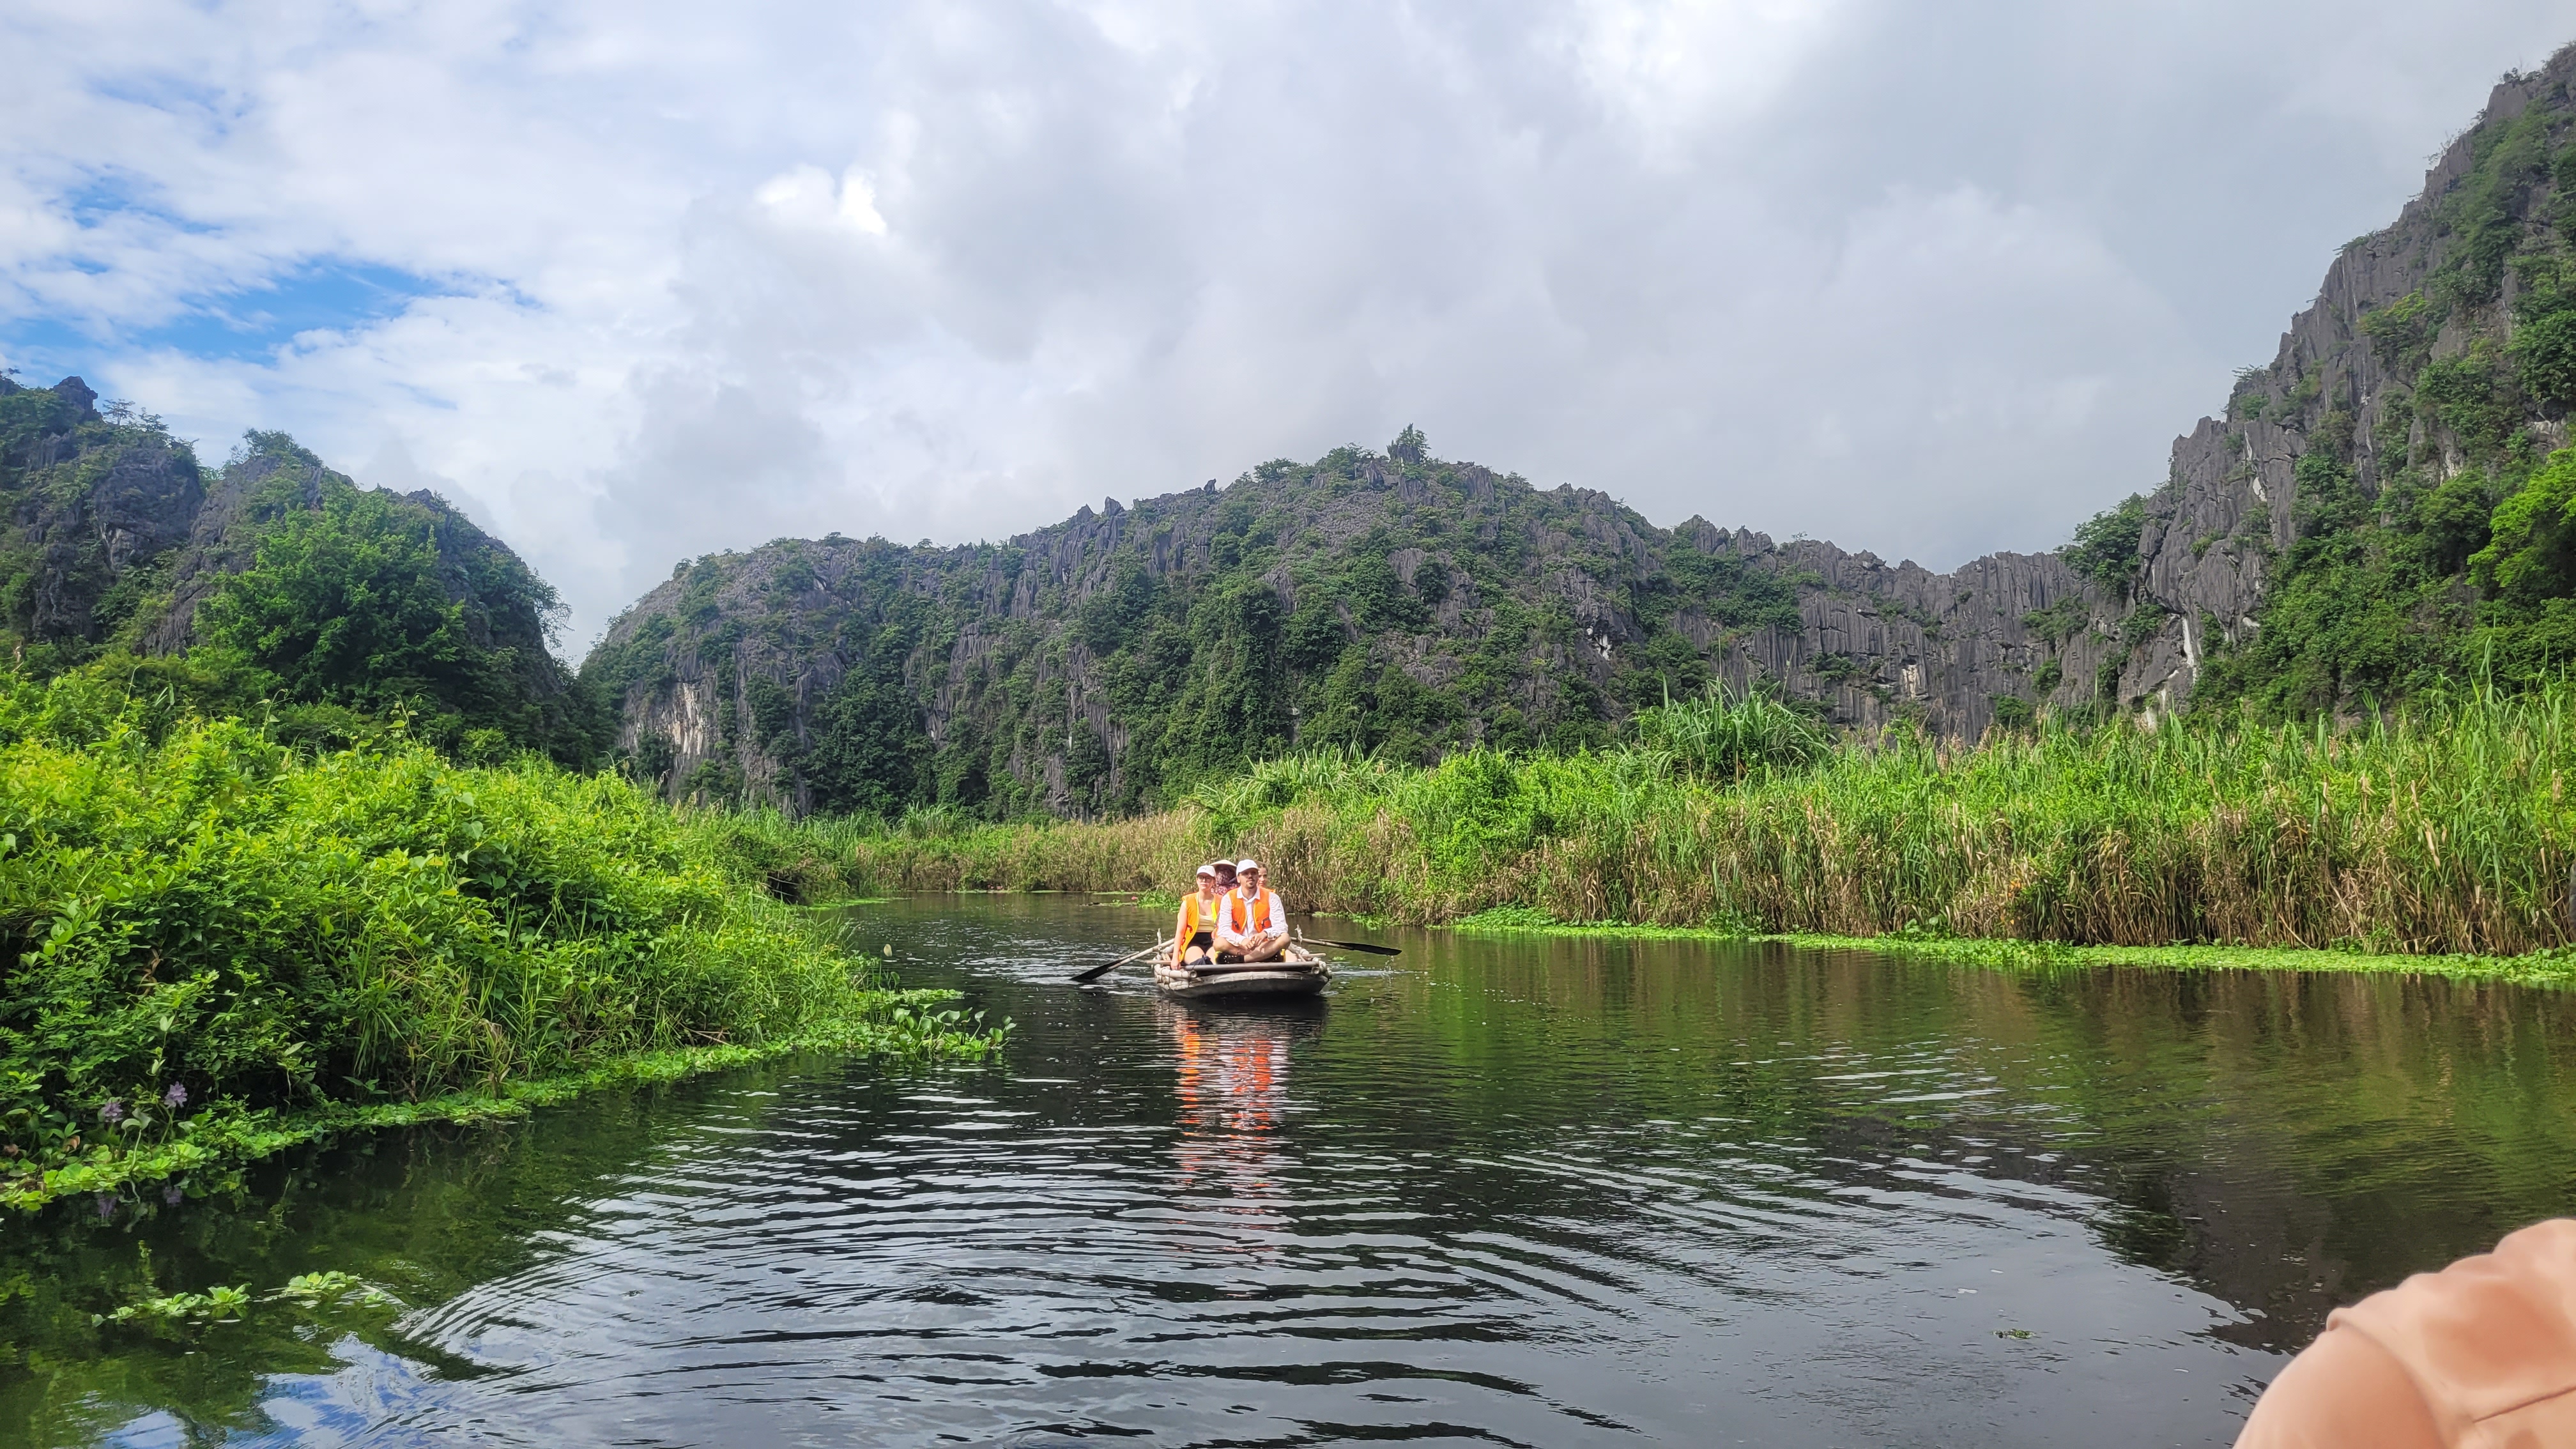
{"x": 1253, "y": 922}
{"x": 1194, "y": 934}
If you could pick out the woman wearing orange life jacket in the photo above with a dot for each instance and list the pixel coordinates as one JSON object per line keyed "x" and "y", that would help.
{"x": 1254, "y": 923}
{"x": 1194, "y": 935}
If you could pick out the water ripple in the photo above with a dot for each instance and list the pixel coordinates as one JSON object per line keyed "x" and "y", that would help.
{"x": 1542, "y": 1194}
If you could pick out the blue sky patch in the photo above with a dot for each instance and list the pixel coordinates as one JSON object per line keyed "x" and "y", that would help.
{"x": 114, "y": 193}
{"x": 246, "y": 325}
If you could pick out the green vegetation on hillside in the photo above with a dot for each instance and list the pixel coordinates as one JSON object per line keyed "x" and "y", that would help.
{"x": 292, "y": 590}
{"x": 220, "y": 943}
{"x": 2452, "y": 554}
{"x": 1302, "y": 603}
{"x": 352, "y": 604}
{"x": 2443, "y": 827}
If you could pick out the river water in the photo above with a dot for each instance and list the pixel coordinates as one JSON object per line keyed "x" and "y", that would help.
{"x": 1495, "y": 1191}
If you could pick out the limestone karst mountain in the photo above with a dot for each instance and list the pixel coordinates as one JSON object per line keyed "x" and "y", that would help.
{"x": 2318, "y": 544}
{"x": 1386, "y": 602}
{"x": 2376, "y": 511}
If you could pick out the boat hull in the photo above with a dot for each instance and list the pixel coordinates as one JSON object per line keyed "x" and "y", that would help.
{"x": 1300, "y": 973}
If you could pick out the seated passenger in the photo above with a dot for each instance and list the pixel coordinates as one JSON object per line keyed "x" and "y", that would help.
{"x": 1194, "y": 935}
{"x": 1253, "y": 923}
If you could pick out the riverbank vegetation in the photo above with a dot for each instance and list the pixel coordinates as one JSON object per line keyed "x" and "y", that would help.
{"x": 219, "y": 942}
{"x": 2441, "y": 827}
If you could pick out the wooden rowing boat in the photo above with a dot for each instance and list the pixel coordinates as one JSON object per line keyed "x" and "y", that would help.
{"x": 1299, "y": 972}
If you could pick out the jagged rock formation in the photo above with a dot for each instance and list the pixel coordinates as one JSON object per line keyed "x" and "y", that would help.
{"x": 1387, "y": 601}
{"x": 94, "y": 512}
{"x": 1391, "y": 601}
{"x": 2403, "y": 375}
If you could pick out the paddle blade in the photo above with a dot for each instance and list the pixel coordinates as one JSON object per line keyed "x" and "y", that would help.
{"x": 1103, "y": 969}
{"x": 1370, "y": 947}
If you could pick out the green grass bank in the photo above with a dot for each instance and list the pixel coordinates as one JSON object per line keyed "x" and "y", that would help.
{"x": 2552, "y": 967}
{"x": 218, "y": 945}
{"x": 2439, "y": 831}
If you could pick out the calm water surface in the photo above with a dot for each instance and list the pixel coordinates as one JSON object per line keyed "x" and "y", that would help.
{"x": 1505, "y": 1192}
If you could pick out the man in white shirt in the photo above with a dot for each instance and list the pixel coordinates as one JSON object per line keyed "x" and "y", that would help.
{"x": 1252, "y": 924}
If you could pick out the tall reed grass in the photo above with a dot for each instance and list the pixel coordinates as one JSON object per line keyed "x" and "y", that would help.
{"x": 2443, "y": 827}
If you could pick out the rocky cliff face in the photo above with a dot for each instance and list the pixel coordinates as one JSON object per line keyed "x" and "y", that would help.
{"x": 1387, "y": 601}
{"x": 2403, "y": 373}
{"x": 93, "y": 511}
{"x": 1392, "y": 601}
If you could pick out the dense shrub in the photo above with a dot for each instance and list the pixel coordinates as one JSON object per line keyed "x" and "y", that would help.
{"x": 202, "y": 922}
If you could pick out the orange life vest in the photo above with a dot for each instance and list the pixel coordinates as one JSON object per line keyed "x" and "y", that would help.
{"x": 1260, "y": 922}
{"x": 1191, "y": 925}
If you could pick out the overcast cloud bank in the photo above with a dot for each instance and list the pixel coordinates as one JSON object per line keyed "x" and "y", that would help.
{"x": 635, "y": 282}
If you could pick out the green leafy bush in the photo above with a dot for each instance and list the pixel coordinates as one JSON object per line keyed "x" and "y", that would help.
{"x": 2544, "y": 355}
{"x": 205, "y": 927}
{"x": 2530, "y": 557}
{"x": 2105, "y": 549}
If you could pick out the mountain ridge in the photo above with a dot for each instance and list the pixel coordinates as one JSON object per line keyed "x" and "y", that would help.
{"x": 1395, "y": 560}
{"x": 2377, "y": 510}
{"x": 985, "y": 687}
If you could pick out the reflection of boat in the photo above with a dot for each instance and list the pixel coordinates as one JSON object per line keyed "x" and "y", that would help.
{"x": 1231, "y": 1063}
{"x": 1299, "y": 972}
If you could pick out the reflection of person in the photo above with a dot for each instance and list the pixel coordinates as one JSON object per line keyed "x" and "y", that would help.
{"x": 1194, "y": 934}
{"x": 1254, "y": 923}
{"x": 2481, "y": 1353}
{"x": 1232, "y": 1091}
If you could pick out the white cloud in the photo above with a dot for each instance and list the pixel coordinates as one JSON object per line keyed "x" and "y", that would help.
{"x": 1674, "y": 67}
{"x": 1917, "y": 279}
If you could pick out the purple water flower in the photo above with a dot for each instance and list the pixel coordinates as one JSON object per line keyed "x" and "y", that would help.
{"x": 172, "y": 1194}
{"x": 106, "y": 1206}
{"x": 111, "y": 1111}
{"x": 176, "y": 1097}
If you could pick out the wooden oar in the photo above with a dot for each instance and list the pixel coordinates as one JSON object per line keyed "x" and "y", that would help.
{"x": 1370, "y": 948}
{"x": 1105, "y": 967}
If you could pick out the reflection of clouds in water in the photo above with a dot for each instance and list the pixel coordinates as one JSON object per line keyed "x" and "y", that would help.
{"x": 1231, "y": 1075}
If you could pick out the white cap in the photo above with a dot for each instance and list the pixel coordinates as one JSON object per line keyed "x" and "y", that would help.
{"x": 1241, "y": 866}
{"x": 1208, "y": 870}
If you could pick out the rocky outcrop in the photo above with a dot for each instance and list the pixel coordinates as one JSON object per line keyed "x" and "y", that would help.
{"x": 1511, "y": 608}
{"x": 115, "y": 536}
{"x": 1875, "y": 641}
{"x": 93, "y": 509}
{"x": 2231, "y": 505}
{"x": 1394, "y": 601}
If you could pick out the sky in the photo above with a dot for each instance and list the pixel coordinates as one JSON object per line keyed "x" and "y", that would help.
{"x": 636, "y": 281}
